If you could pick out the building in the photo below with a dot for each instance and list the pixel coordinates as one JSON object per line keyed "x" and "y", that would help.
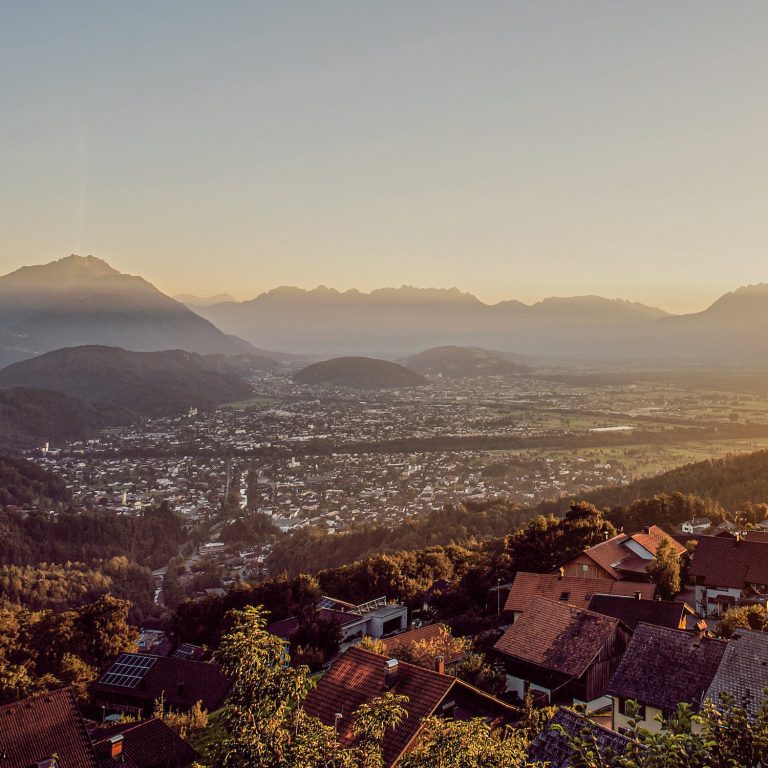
{"x": 566, "y": 653}
{"x": 375, "y": 618}
{"x": 45, "y": 731}
{"x": 727, "y": 568}
{"x": 743, "y": 670}
{"x": 621, "y": 557}
{"x": 552, "y": 748}
{"x": 574, "y": 590}
{"x": 661, "y": 668}
{"x": 431, "y": 633}
{"x": 360, "y": 676}
{"x": 136, "y": 681}
{"x": 633, "y": 610}
{"x": 147, "y": 744}
{"x": 696, "y": 525}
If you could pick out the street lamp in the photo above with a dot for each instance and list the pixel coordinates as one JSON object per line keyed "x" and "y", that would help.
{"x": 498, "y": 596}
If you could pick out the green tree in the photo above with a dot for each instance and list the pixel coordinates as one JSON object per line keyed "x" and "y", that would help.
{"x": 746, "y": 617}
{"x": 664, "y": 570}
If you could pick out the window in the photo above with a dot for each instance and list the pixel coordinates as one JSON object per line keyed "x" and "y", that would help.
{"x": 635, "y": 711}
{"x": 565, "y": 595}
{"x": 585, "y": 567}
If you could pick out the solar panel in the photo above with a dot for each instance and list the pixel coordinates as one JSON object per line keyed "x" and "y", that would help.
{"x": 185, "y": 651}
{"x": 128, "y": 670}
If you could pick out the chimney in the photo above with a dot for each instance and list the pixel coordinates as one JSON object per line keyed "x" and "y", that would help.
{"x": 116, "y": 746}
{"x": 390, "y": 672}
{"x": 440, "y": 664}
{"x": 638, "y": 595}
{"x": 560, "y": 573}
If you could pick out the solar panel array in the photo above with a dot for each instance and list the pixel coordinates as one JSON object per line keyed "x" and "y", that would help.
{"x": 128, "y": 670}
{"x": 327, "y": 602}
{"x": 185, "y": 651}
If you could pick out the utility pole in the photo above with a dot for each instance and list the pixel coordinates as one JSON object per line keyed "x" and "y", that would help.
{"x": 498, "y": 596}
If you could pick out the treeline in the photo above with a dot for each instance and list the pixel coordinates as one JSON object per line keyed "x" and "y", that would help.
{"x": 150, "y": 539}
{"x": 310, "y": 550}
{"x": 453, "y": 581}
{"x": 71, "y": 585}
{"x": 22, "y": 482}
{"x": 731, "y": 482}
{"x": 44, "y": 650}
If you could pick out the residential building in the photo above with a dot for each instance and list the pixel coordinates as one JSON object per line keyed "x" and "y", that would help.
{"x": 45, "y": 731}
{"x": 134, "y": 682}
{"x": 566, "y": 653}
{"x": 431, "y": 633}
{"x": 727, "y": 568}
{"x": 622, "y": 556}
{"x": 574, "y": 590}
{"x": 632, "y": 610}
{"x": 661, "y": 668}
{"x": 360, "y": 676}
{"x": 552, "y": 747}
{"x": 146, "y": 744}
{"x": 743, "y": 670}
{"x": 696, "y": 525}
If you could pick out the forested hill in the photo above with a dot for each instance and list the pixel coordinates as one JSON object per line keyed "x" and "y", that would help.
{"x": 22, "y": 482}
{"x": 732, "y": 481}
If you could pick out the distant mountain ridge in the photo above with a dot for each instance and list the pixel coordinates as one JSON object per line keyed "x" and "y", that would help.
{"x": 82, "y": 300}
{"x": 137, "y": 383}
{"x": 359, "y": 373}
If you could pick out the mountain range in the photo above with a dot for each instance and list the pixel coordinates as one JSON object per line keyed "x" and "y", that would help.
{"x": 83, "y": 300}
{"x": 396, "y": 322}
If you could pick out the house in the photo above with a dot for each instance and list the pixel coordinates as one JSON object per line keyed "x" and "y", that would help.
{"x": 375, "y": 618}
{"x": 661, "y": 668}
{"x": 696, "y": 525}
{"x": 621, "y": 557}
{"x": 743, "y": 670}
{"x": 431, "y": 633}
{"x": 135, "y": 681}
{"x": 632, "y": 610}
{"x": 360, "y": 676}
{"x": 575, "y": 590}
{"x": 725, "y": 569}
{"x": 552, "y": 747}
{"x": 146, "y": 744}
{"x": 567, "y": 653}
{"x": 45, "y": 731}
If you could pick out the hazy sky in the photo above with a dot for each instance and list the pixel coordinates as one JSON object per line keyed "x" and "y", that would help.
{"x": 513, "y": 149}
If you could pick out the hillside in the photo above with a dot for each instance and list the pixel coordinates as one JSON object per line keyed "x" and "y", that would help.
{"x": 359, "y": 373}
{"x": 31, "y": 417}
{"x": 22, "y": 482}
{"x": 732, "y": 481}
{"x": 465, "y": 361}
{"x": 145, "y": 383}
{"x": 83, "y": 300}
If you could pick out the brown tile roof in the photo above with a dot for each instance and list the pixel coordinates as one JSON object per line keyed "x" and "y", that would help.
{"x": 358, "y": 677}
{"x": 725, "y": 561}
{"x": 182, "y": 682}
{"x": 662, "y": 613}
{"x": 743, "y": 671}
{"x": 579, "y": 590}
{"x": 557, "y": 636}
{"x": 34, "y": 729}
{"x": 430, "y": 632}
{"x": 148, "y": 744}
{"x": 553, "y": 749}
{"x": 663, "y": 667}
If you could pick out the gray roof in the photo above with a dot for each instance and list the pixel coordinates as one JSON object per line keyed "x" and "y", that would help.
{"x": 743, "y": 671}
{"x": 663, "y": 667}
{"x": 553, "y": 748}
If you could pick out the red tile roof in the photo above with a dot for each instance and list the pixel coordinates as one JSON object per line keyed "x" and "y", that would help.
{"x": 579, "y": 590}
{"x": 422, "y": 634}
{"x": 34, "y": 729}
{"x": 148, "y": 744}
{"x": 609, "y": 553}
{"x": 725, "y": 561}
{"x": 651, "y": 537}
{"x": 358, "y": 677}
{"x": 558, "y": 637}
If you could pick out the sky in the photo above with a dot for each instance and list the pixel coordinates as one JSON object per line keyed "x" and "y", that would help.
{"x": 512, "y": 149}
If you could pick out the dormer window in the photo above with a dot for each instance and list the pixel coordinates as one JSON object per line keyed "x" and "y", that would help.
{"x": 564, "y": 596}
